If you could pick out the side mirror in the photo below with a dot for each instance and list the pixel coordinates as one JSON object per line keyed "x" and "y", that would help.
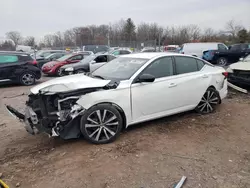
{"x": 241, "y": 59}
{"x": 93, "y": 62}
{"x": 146, "y": 78}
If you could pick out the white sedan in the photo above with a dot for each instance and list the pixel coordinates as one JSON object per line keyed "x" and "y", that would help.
{"x": 130, "y": 89}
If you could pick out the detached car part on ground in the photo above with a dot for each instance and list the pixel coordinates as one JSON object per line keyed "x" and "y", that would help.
{"x": 128, "y": 90}
{"x": 239, "y": 73}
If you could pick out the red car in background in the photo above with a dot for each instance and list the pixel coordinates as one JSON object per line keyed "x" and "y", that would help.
{"x": 53, "y": 67}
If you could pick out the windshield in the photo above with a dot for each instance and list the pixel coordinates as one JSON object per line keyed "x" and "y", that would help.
{"x": 247, "y": 58}
{"x": 121, "y": 68}
{"x": 63, "y": 58}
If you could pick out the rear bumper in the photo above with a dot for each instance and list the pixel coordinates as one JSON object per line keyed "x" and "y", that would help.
{"x": 223, "y": 92}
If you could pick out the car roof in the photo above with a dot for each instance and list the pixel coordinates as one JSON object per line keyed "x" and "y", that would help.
{"x": 150, "y": 55}
{"x": 14, "y": 53}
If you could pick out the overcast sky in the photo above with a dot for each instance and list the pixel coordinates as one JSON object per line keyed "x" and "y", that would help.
{"x": 40, "y": 17}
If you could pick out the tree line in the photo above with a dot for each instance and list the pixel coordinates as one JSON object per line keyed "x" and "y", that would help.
{"x": 125, "y": 31}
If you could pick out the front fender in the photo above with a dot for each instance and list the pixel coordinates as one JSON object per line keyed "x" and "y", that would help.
{"x": 120, "y": 97}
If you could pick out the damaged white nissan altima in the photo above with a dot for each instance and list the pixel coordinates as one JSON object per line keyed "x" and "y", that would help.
{"x": 130, "y": 89}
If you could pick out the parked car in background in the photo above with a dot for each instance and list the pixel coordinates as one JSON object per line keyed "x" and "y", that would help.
{"x": 148, "y": 49}
{"x": 198, "y": 49}
{"x": 23, "y": 48}
{"x": 121, "y": 51}
{"x": 239, "y": 73}
{"x": 51, "y": 57}
{"x": 88, "y": 64}
{"x": 53, "y": 67}
{"x": 40, "y": 55}
{"x": 171, "y": 48}
{"x": 96, "y": 48}
{"x": 231, "y": 55}
{"x": 19, "y": 68}
{"x": 130, "y": 89}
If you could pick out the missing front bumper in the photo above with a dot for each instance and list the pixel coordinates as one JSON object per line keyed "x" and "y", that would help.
{"x": 29, "y": 118}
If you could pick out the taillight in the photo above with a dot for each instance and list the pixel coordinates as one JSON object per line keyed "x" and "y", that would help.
{"x": 34, "y": 62}
{"x": 225, "y": 74}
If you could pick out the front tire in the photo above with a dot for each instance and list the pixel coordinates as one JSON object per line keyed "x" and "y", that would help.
{"x": 208, "y": 102}
{"x": 101, "y": 124}
{"x": 27, "y": 79}
{"x": 80, "y": 71}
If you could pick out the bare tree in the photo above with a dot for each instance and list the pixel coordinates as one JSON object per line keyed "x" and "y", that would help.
{"x": 15, "y": 36}
{"x": 48, "y": 40}
{"x": 233, "y": 27}
{"x": 30, "y": 41}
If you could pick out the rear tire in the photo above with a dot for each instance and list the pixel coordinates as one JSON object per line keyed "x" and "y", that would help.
{"x": 101, "y": 124}
{"x": 27, "y": 79}
{"x": 208, "y": 102}
{"x": 222, "y": 61}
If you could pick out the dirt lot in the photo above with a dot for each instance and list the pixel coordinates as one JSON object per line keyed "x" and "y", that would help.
{"x": 211, "y": 150}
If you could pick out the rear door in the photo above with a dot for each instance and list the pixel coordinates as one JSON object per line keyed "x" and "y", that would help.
{"x": 190, "y": 81}
{"x": 8, "y": 66}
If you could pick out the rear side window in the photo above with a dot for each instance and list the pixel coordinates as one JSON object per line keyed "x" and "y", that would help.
{"x": 24, "y": 58}
{"x": 200, "y": 64}
{"x": 116, "y": 53}
{"x": 185, "y": 65}
{"x": 8, "y": 59}
{"x": 124, "y": 52}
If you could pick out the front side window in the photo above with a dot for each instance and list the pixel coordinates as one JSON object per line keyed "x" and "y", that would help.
{"x": 101, "y": 59}
{"x": 8, "y": 59}
{"x": 116, "y": 53}
{"x": 161, "y": 67}
{"x": 185, "y": 65}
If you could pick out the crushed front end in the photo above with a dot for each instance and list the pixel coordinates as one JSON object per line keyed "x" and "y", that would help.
{"x": 56, "y": 114}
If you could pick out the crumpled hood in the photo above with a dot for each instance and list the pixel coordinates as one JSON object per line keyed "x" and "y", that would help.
{"x": 241, "y": 66}
{"x": 68, "y": 83}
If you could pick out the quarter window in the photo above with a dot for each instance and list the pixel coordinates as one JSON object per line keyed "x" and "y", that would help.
{"x": 185, "y": 65}
{"x": 222, "y": 47}
{"x": 8, "y": 59}
{"x": 200, "y": 64}
{"x": 160, "y": 68}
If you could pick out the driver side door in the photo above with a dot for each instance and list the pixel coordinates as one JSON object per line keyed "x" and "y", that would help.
{"x": 98, "y": 62}
{"x": 155, "y": 99}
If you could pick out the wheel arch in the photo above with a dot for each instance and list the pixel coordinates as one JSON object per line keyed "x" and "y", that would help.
{"x": 211, "y": 86}
{"x": 121, "y": 111}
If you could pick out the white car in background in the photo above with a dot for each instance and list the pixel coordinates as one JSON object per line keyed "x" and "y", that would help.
{"x": 197, "y": 49}
{"x": 128, "y": 90}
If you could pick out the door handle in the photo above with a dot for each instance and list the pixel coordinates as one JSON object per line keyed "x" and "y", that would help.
{"x": 172, "y": 85}
{"x": 204, "y": 76}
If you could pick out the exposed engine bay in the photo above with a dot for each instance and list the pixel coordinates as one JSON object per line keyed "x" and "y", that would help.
{"x": 56, "y": 114}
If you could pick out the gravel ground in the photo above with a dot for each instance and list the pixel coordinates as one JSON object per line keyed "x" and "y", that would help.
{"x": 211, "y": 150}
